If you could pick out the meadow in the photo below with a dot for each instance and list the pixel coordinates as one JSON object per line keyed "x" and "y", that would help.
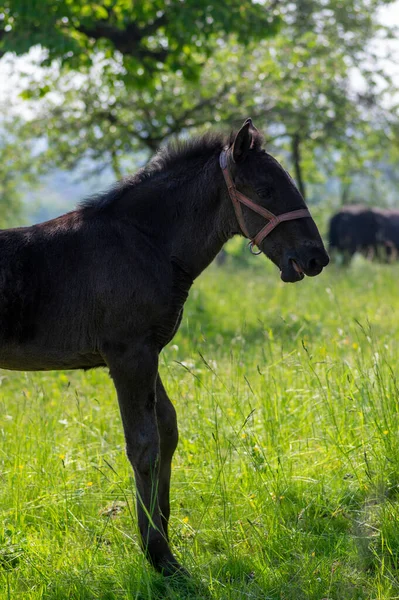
{"x": 286, "y": 479}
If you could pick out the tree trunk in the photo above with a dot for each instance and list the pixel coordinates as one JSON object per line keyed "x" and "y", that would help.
{"x": 296, "y": 158}
{"x": 345, "y": 190}
{"x": 116, "y": 166}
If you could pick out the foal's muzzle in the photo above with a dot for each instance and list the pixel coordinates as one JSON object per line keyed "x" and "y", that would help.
{"x": 310, "y": 262}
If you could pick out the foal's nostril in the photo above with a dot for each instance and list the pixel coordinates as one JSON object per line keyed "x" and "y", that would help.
{"x": 316, "y": 263}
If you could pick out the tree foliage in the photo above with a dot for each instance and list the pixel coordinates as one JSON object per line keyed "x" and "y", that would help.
{"x": 297, "y": 85}
{"x": 299, "y": 92}
{"x": 150, "y": 36}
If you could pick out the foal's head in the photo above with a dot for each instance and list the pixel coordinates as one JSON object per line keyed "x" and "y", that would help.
{"x": 292, "y": 243}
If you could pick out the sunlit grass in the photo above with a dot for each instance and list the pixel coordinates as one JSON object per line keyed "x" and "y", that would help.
{"x": 285, "y": 482}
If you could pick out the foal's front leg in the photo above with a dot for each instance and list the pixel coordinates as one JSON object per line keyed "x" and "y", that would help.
{"x": 168, "y": 434}
{"x": 135, "y": 374}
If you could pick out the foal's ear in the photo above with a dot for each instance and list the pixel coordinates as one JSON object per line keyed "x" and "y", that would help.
{"x": 243, "y": 141}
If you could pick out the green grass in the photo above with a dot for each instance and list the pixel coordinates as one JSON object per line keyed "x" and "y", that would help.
{"x": 286, "y": 478}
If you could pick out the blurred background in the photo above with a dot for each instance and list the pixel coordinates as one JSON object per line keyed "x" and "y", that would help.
{"x": 90, "y": 90}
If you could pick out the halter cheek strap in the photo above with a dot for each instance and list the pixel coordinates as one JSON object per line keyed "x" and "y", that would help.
{"x": 238, "y": 198}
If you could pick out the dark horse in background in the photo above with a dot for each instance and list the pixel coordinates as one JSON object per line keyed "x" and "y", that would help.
{"x": 105, "y": 285}
{"x": 373, "y": 232}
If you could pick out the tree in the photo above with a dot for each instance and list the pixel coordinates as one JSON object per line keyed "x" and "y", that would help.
{"x": 300, "y": 93}
{"x": 316, "y": 106}
{"x": 150, "y": 36}
{"x": 296, "y": 85}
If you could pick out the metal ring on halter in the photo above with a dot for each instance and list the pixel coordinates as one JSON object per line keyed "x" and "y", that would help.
{"x": 251, "y": 249}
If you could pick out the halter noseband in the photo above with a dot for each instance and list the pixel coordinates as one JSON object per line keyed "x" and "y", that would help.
{"x": 238, "y": 198}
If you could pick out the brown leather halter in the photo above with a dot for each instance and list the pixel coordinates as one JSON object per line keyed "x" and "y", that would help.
{"x": 238, "y": 198}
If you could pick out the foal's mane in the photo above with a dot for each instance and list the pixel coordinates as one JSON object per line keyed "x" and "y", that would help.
{"x": 169, "y": 157}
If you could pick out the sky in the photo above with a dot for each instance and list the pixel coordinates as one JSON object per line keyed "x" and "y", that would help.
{"x": 390, "y": 14}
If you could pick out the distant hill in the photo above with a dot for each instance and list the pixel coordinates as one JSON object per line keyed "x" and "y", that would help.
{"x": 60, "y": 192}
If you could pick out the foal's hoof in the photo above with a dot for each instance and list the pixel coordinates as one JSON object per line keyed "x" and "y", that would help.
{"x": 171, "y": 568}
{"x": 161, "y": 557}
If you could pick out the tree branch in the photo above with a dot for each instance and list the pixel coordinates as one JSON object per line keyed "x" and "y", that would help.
{"x": 128, "y": 40}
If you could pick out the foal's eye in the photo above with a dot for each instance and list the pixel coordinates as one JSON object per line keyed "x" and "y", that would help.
{"x": 265, "y": 191}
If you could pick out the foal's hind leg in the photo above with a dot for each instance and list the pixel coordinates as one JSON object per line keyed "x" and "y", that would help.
{"x": 135, "y": 375}
{"x": 168, "y": 434}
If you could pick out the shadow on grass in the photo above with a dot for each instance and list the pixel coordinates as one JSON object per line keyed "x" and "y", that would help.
{"x": 320, "y": 549}
{"x": 142, "y": 584}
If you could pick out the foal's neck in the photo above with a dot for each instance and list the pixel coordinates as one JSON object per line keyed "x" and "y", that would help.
{"x": 187, "y": 209}
{"x": 204, "y": 223}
